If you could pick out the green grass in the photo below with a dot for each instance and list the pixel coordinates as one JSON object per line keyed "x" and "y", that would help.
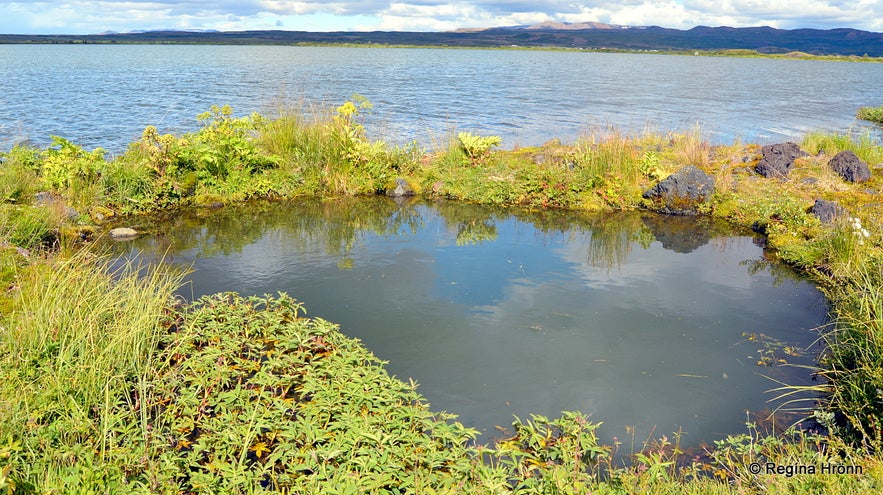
{"x": 864, "y": 145}
{"x": 871, "y": 114}
{"x": 69, "y": 350}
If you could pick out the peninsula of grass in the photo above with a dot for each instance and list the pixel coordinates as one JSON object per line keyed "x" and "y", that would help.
{"x": 108, "y": 384}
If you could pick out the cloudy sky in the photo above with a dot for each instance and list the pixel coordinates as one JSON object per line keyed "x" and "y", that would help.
{"x": 95, "y": 16}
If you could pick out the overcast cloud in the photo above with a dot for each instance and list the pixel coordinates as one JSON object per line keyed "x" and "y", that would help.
{"x": 87, "y": 16}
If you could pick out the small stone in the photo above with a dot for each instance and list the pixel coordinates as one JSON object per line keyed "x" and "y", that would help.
{"x": 123, "y": 233}
{"x": 402, "y": 189}
{"x": 809, "y": 181}
{"x": 43, "y": 198}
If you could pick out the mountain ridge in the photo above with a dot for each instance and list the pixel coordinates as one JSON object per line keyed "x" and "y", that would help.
{"x": 594, "y": 36}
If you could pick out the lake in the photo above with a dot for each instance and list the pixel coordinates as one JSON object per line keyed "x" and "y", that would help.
{"x": 650, "y": 324}
{"x": 100, "y": 95}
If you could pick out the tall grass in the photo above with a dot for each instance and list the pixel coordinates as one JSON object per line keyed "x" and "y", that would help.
{"x": 18, "y": 174}
{"x": 29, "y": 226}
{"x": 854, "y": 365}
{"x": 862, "y": 144}
{"x": 609, "y": 153}
{"x": 81, "y": 335}
{"x": 691, "y": 148}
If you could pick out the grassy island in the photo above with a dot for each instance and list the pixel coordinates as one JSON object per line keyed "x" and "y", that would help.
{"x": 108, "y": 384}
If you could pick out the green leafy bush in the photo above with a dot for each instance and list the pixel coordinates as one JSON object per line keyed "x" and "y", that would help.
{"x": 477, "y": 148}
{"x": 67, "y": 165}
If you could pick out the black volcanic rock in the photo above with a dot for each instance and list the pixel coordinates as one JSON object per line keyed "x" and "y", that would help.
{"x": 847, "y": 165}
{"x": 681, "y": 192}
{"x": 778, "y": 159}
{"x": 827, "y": 211}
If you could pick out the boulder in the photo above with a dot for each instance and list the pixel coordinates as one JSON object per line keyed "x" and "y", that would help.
{"x": 123, "y": 233}
{"x": 778, "y": 159}
{"x": 827, "y": 211}
{"x": 402, "y": 189}
{"x": 847, "y": 165}
{"x": 681, "y": 192}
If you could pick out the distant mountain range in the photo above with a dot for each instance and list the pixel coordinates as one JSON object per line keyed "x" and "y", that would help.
{"x": 548, "y": 34}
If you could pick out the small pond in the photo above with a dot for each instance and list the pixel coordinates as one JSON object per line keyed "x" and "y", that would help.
{"x": 650, "y": 324}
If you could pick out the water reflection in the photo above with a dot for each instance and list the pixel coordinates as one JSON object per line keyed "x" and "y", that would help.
{"x": 500, "y": 311}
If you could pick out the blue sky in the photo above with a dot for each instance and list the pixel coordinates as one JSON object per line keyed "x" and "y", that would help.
{"x": 95, "y": 16}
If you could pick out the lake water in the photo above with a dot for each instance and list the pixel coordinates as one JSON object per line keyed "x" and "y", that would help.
{"x": 653, "y": 323}
{"x": 100, "y": 95}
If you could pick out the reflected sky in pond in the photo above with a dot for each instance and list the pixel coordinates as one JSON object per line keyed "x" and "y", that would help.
{"x": 640, "y": 321}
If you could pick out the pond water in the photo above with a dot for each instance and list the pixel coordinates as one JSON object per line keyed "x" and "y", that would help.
{"x": 647, "y": 323}
{"x": 103, "y": 95}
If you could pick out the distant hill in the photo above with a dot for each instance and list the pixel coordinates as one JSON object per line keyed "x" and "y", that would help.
{"x": 582, "y": 35}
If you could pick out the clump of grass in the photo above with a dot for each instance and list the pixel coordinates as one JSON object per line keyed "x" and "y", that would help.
{"x": 863, "y": 145}
{"x": 605, "y": 155}
{"x": 690, "y": 148}
{"x": 28, "y": 226}
{"x": 871, "y": 114}
{"x": 326, "y": 151}
{"x": 18, "y": 174}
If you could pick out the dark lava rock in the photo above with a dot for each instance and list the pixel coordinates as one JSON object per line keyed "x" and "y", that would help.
{"x": 778, "y": 159}
{"x": 809, "y": 181}
{"x": 681, "y": 192}
{"x": 827, "y": 211}
{"x": 850, "y": 167}
{"x": 402, "y": 189}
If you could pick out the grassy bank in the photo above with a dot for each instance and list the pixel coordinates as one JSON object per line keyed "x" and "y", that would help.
{"x": 129, "y": 391}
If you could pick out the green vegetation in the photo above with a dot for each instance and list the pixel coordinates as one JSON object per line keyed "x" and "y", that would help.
{"x": 871, "y": 114}
{"x": 129, "y": 391}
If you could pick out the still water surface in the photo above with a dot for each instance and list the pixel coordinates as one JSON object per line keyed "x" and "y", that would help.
{"x": 640, "y": 321}
{"x": 99, "y": 95}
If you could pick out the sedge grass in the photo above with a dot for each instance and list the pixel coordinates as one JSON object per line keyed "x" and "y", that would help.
{"x": 862, "y": 144}
{"x": 81, "y": 332}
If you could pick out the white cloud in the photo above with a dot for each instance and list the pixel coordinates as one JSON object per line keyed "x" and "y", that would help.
{"x": 88, "y": 16}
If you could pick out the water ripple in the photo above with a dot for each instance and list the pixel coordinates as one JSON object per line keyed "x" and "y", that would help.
{"x": 105, "y": 95}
